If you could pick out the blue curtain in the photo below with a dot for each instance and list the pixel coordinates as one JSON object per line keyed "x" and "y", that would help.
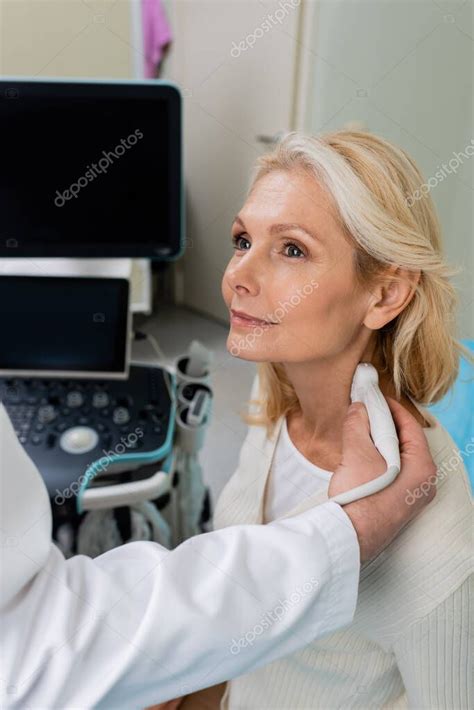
{"x": 455, "y": 412}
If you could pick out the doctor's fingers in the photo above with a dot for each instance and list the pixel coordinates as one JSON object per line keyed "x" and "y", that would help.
{"x": 418, "y": 472}
{"x": 409, "y": 431}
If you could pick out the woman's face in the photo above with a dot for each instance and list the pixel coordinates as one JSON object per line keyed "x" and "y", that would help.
{"x": 304, "y": 285}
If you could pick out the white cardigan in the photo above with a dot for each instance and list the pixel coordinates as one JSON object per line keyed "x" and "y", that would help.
{"x": 410, "y": 643}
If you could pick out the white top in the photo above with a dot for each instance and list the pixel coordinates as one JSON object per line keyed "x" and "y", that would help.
{"x": 409, "y": 644}
{"x": 292, "y": 477}
{"x": 141, "y": 624}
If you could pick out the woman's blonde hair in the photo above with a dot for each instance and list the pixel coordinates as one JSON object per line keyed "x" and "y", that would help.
{"x": 389, "y": 220}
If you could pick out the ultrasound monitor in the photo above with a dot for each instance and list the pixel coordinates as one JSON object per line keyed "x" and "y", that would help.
{"x": 65, "y": 327}
{"x": 90, "y": 169}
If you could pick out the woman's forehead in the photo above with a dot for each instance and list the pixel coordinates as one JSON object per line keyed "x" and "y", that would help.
{"x": 289, "y": 198}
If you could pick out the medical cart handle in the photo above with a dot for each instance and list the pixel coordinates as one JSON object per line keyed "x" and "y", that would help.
{"x": 365, "y": 388}
{"x": 126, "y": 493}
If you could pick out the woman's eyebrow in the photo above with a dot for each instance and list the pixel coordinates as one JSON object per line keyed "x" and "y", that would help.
{"x": 281, "y": 227}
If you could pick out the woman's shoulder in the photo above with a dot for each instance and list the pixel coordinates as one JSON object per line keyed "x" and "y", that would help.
{"x": 432, "y": 556}
{"x": 451, "y": 478}
{"x": 238, "y": 501}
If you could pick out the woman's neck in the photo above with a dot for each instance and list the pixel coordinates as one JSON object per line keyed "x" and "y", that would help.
{"x": 323, "y": 387}
{"x": 323, "y": 391}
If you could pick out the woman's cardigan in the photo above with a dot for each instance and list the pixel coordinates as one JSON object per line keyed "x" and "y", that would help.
{"x": 410, "y": 642}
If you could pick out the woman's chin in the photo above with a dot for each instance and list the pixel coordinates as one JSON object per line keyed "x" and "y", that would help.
{"x": 240, "y": 347}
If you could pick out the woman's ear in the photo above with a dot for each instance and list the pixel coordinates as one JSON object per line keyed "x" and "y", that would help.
{"x": 390, "y": 295}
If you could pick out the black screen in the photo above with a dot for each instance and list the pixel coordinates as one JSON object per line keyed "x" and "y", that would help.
{"x": 89, "y": 169}
{"x": 66, "y": 324}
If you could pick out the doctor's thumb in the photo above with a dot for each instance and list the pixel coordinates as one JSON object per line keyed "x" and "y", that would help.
{"x": 356, "y": 431}
{"x": 360, "y": 460}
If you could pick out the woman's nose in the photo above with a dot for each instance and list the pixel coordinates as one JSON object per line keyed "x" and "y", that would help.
{"x": 242, "y": 279}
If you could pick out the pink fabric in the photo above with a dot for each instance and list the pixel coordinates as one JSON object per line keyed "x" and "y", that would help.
{"x": 156, "y": 35}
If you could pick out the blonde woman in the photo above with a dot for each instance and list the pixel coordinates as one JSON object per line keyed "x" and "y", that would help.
{"x": 343, "y": 265}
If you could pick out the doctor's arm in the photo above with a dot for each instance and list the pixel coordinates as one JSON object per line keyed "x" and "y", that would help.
{"x": 140, "y": 623}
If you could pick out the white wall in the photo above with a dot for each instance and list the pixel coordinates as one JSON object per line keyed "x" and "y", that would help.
{"x": 405, "y": 71}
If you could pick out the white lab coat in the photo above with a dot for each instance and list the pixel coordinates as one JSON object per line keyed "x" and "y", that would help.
{"x": 141, "y": 624}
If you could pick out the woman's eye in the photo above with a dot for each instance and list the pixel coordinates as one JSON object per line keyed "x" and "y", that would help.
{"x": 236, "y": 240}
{"x": 295, "y": 246}
{"x": 238, "y": 237}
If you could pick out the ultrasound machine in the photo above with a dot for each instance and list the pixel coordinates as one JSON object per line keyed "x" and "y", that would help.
{"x": 90, "y": 178}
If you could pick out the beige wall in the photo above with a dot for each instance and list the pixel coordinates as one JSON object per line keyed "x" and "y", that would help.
{"x": 75, "y": 38}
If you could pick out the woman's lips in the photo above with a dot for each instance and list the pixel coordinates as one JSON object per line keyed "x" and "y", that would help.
{"x": 238, "y": 319}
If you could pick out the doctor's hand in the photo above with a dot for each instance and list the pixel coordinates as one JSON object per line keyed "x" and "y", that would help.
{"x": 379, "y": 518}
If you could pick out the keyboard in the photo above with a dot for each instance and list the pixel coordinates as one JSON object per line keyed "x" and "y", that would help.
{"x": 65, "y": 425}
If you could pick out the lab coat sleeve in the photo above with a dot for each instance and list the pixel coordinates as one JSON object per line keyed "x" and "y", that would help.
{"x": 141, "y": 624}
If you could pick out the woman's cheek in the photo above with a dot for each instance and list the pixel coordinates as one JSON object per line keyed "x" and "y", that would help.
{"x": 226, "y": 292}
